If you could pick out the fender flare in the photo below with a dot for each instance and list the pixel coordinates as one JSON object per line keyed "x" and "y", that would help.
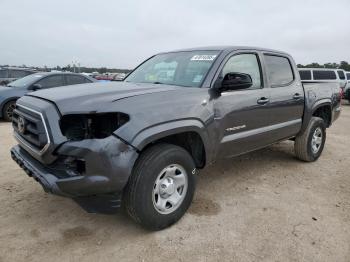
{"x": 153, "y": 133}
{"x": 310, "y": 111}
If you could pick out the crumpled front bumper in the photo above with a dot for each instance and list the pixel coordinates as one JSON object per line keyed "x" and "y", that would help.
{"x": 108, "y": 165}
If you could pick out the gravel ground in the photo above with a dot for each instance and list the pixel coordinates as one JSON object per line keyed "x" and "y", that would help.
{"x": 263, "y": 206}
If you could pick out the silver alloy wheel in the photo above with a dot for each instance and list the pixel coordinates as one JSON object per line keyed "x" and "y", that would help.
{"x": 170, "y": 189}
{"x": 9, "y": 110}
{"x": 316, "y": 141}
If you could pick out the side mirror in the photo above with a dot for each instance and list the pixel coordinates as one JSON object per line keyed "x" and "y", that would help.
{"x": 34, "y": 87}
{"x": 235, "y": 81}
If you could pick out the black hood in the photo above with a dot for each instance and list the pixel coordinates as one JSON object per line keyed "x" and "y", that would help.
{"x": 96, "y": 96}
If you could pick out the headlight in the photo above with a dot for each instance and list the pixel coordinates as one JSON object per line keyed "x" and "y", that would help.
{"x": 87, "y": 126}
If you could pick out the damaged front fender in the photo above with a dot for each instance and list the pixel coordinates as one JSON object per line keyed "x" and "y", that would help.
{"x": 108, "y": 165}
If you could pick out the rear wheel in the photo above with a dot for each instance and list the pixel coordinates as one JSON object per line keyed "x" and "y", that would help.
{"x": 309, "y": 145}
{"x": 8, "y": 110}
{"x": 161, "y": 187}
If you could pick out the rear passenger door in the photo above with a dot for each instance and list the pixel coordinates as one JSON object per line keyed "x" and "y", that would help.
{"x": 287, "y": 96}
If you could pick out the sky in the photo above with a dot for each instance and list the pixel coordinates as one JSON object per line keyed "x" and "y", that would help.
{"x": 121, "y": 34}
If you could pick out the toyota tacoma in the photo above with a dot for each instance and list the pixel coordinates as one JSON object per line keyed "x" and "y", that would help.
{"x": 140, "y": 142}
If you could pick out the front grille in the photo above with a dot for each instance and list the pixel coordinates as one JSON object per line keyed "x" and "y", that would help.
{"x": 29, "y": 128}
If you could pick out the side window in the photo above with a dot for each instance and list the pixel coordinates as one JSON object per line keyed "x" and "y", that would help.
{"x": 324, "y": 75}
{"x": 348, "y": 76}
{"x": 247, "y": 64}
{"x": 279, "y": 70}
{"x": 305, "y": 74}
{"x": 341, "y": 74}
{"x": 51, "y": 81}
{"x": 3, "y": 73}
{"x": 74, "y": 79}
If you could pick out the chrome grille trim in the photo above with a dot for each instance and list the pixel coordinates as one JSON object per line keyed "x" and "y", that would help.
{"x": 25, "y": 143}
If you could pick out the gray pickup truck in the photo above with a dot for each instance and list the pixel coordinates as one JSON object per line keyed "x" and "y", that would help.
{"x": 139, "y": 142}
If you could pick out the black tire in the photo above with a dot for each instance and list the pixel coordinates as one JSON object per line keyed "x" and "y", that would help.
{"x": 138, "y": 194}
{"x": 303, "y": 142}
{"x": 8, "y": 109}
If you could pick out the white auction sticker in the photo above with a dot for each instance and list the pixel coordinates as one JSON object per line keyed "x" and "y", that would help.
{"x": 203, "y": 58}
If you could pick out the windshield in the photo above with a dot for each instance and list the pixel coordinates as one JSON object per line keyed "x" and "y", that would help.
{"x": 25, "y": 81}
{"x": 179, "y": 68}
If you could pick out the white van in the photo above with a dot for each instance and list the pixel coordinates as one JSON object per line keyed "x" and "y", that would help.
{"x": 323, "y": 75}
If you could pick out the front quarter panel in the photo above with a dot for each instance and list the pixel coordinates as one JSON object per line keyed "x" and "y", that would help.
{"x": 159, "y": 115}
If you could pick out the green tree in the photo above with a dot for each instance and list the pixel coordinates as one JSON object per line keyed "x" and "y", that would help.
{"x": 344, "y": 65}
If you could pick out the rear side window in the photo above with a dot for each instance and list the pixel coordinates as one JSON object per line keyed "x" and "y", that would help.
{"x": 279, "y": 70}
{"x": 348, "y": 76}
{"x": 341, "y": 74}
{"x": 51, "y": 81}
{"x": 305, "y": 74}
{"x": 74, "y": 80}
{"x": 324, "y": 75}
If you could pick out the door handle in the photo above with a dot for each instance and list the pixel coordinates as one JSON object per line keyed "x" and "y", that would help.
{"x": 297, "y": 96}
{"x": 263, "y": 100}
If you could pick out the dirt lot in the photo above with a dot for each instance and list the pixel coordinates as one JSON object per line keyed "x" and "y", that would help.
{"x": 264, "y": 206}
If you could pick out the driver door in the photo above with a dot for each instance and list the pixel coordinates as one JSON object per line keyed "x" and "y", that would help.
{"x": 243, "y": 116}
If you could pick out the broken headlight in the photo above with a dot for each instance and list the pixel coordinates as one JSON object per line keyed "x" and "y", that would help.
{"x": 88, "y": 126}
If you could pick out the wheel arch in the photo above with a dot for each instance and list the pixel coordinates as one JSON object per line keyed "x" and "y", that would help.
{"x": 324, "y": 111}
{"x": 311, "y": 109}
{"x": 4, "y": 102}
{"x": 189, "y": 134}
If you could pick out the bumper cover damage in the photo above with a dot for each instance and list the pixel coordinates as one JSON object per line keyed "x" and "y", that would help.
{"x": 108, "y": 165}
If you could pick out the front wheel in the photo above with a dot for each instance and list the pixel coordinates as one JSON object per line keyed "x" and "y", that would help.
{"x": 309, "y": 145}
{"x": 8, "y": 110}
{"x": 161, "y": 186}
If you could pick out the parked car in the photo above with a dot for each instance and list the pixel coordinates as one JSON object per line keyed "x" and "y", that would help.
{"x": 119, "y": 77}
{"x": 16, "y": 89}
{"x": 323, "y": 75}
{"x": 347, "y": 87}
{"x": 9, "y": 74}
{"x": 141, "y": 141}
{"x": 104, "y": 77}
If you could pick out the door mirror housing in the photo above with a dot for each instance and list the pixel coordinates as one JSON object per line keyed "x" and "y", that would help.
{"x": 34, "y": 87}
{"x": 235, "y": 81}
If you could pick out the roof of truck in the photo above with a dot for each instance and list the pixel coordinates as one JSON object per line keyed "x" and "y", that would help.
{"x": 228, "y": 48}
